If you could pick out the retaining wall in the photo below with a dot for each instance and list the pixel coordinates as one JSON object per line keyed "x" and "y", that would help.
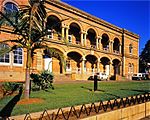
{"x": 134, "y": 112}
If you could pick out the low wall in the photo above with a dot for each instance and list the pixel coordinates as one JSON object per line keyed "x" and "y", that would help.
{"x": 129, "y": 108}
{"x": 135, "y": 112}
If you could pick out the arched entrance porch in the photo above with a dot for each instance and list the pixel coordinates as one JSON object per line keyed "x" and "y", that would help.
{"x": 73, "y": 62}
{"x": 91, "y": 64}
{"x": 53, "y": 61}
{"x": 116, "y": 69}
{"x": 105, "y": 65}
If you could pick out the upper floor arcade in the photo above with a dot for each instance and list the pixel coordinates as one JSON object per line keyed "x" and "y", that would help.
{"x": 67, "y": 24}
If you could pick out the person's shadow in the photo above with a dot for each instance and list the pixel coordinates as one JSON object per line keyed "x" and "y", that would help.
{"x": 7, "y": 110}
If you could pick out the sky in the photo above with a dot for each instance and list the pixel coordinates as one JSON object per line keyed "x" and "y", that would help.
{"x": 133, "y": 15}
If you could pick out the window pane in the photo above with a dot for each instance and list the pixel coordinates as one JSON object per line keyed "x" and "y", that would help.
{"x": 4, "y": 58}
{"x": 18, "y": 56}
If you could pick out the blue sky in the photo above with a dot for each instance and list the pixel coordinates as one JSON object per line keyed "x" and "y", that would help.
{"x": 131, "y": 15}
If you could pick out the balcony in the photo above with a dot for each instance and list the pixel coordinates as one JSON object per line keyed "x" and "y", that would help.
{"x": 116, "y": 52}
{"x": 106, "y": 49}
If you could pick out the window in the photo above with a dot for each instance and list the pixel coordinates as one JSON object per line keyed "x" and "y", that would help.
{"x": 4, "y": 58}
{"x": 129, "y": 68}
{"x": 50, "y": 34}
{"x": 10, "y": 10}
{"x": 10, "y": 7}
{"x": 18, "y": 56}
{"x": 130, "y": 48}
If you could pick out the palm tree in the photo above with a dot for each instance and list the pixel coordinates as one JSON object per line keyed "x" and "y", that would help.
{"x": 30, "y": 31}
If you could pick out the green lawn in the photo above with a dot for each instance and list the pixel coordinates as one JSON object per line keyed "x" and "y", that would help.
{"x": 78, "y": 93}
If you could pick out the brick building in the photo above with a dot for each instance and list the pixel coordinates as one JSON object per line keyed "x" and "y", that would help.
{"x": 94, "y": 45}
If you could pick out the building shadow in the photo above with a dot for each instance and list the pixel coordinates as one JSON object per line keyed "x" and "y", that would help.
{"x": 7, "y": 110}
{"x": 91, "y": 89}
{"x": 142, "y": 91}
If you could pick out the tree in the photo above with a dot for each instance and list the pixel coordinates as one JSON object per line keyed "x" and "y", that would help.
{"x": 30, "y": 31}
{"x": 144, "y": 61}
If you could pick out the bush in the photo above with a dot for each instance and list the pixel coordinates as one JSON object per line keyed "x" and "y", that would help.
{"x": 10, "y": 87}
{"x": 42, "y": 81}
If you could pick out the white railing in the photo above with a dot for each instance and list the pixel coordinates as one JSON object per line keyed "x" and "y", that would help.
{"x": 78, "y": 42}
{"x": 78, "y": 71}
{"x": 116, "y": 52}
{"x": 106, "y": 49}
{"x": 93, "y": 46}
{"x": 90, "y": 71}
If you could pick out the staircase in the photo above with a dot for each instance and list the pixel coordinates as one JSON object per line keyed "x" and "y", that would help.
{"x": 62, "y": 77}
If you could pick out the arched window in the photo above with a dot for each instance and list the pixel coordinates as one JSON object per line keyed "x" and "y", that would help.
{"x": 10, "y": 7}
{"x": 18, "y": 54}
{"x": 10, "y": 10}
{"x": 129, "y": 68}
{"x": 4, "y": 58}
{"x": 130, "y": 49}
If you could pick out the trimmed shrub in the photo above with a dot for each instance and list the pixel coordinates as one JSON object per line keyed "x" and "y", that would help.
{"x": 10, "y": 87}
{"x": 42, "y": 81}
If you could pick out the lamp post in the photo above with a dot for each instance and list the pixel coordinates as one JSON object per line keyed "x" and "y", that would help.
{"x": 95, "y": 82}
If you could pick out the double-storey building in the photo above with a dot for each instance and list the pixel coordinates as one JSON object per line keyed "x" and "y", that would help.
{"x": 89, "y": 45}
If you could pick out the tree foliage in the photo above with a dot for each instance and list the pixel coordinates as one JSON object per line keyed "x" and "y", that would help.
{"x": 29, "y": 28}
{"x": 144, "y": 60}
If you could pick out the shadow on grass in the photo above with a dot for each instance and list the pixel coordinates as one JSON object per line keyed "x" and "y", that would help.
{"x": 7, "y": 110}
{"x": 91, "y": 89}
{"x": 110, "y": 94}
{"x": 142, "y": 91}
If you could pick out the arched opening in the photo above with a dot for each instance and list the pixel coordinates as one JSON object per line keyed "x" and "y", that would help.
{"x": 116, "y": 45}
{"x": 91, "y": 64}
{"x": 116, "y": 67}
{"x": 105, "y": 65}
{"x": 105, "y": 42}
{"x": 53, "y": 27}
{"x": 91, "y": 38}
{"x": 130, "y": 49}
{"x": 53, "y": 61}
{"x": 74, "y": 34}
{"x": 10, "y": 10}
{"x": 73, "y": 62}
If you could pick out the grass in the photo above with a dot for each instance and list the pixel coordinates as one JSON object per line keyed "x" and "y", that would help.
{"x": 78, "y": 93}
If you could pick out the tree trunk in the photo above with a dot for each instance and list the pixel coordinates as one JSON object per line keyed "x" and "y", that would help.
{"x": 27, "y": 79}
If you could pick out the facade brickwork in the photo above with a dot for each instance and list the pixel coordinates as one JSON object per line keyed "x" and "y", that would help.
{"x": 91, "y": 45}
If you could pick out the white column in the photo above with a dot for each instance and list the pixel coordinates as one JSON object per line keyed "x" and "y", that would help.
{"x": 100, "y": 44}
{"x": 110, "y": 68}
{"x": 120, "y": 49}
{"x": 62, "y": 32}
{"x": 85, "y": 39}
{"x": 109, "y": 46}
{"x": 82, "y": 40}
{"x": 98, "y": 65}
{"x": 83, "y": 63}
{"x": 97, "y": 43}
{"x": 112, "y": 46}
{"x": 64, "y": 63}
{"x": 67, "y": 30}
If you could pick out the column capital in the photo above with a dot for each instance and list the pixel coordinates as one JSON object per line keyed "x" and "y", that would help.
{"x": 111, "y": 62}
{"x": 100, "y": 37}
{"x": 81, "y": 32}
{"x": 83, "y": 58}
{"x": 99, "y": 60}
{"x": 111, "y": 41}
